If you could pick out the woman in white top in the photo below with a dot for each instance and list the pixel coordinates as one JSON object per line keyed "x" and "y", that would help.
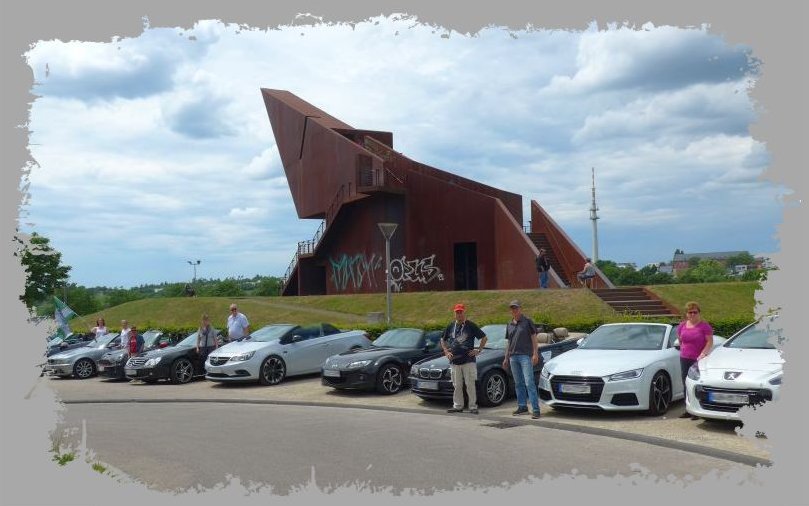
{"x": 100, "y": 329}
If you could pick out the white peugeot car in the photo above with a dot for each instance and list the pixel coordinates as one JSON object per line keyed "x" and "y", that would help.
{"x": 746, "y": 370}
{"x": 274, "y": 352}
{"x": 618, "y": 367}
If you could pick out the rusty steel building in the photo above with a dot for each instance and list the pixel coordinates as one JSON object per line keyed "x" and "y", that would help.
{"x": 452, "y": 233}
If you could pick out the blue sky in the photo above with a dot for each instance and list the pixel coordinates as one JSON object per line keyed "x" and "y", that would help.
{"x": 155, "y": 150}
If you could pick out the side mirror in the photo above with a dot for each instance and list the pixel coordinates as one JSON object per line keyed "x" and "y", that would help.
{"x": 677, "y": 343}
{"x": 296, "y": 338}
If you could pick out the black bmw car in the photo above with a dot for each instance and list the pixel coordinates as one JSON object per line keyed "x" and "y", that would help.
{"x": 111, "y": 365}
{"x": 179, "y": 364}
{"x": 382, "y": 367}
{"x": 430, "y": 378}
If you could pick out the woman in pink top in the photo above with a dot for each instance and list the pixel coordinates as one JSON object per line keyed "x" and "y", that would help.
{"x": 696, "y": 339}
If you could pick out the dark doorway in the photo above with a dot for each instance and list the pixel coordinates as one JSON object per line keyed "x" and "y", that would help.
{"x": 466, "y": 266}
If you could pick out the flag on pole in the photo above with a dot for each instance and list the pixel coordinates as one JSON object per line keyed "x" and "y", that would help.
{"x": 62, "y": 313}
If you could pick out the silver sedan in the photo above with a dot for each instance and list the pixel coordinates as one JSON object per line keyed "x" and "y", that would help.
{"x": 81, "y": 362}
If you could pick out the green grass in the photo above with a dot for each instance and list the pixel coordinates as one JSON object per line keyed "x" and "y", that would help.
{"x": 574, "y": 308}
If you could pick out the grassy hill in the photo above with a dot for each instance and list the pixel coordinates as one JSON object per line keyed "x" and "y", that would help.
{"x": 732, "y": 303}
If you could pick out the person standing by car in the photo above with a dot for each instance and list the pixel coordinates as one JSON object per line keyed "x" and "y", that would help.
{"x": 135, "y": 341}
{"x": 100, "y": 329}
{"x": 238, "y": 326}
{"x": 522, "y": 354}
{"x": 458, "y": 342}
{"x": 696, "y": 340}
{"x": 206, "y": 338}
{"x": 124, "y": 334}
{"x": 543, "y": 267}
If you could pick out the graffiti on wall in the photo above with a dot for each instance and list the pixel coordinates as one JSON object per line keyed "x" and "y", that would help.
{"x": 358, "y": 271}
{"x": 418, "y": 270}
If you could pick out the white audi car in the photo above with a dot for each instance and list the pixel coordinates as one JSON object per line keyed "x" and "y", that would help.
{"x": 274, "y": 352}
{"x": 618, "y": 367}
{"x": 746, "y": 370}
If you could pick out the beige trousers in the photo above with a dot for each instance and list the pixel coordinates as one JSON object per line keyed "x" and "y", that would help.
{"x": 464, "y": 374}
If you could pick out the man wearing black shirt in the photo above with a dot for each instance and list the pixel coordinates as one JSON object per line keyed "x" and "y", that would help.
{"x": 458, "y": 343}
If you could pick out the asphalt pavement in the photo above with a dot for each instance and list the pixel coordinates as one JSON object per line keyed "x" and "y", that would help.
{"x": 710, "y": 438}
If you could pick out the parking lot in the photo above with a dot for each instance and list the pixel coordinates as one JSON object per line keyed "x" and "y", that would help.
{"x": 709, "y": 437}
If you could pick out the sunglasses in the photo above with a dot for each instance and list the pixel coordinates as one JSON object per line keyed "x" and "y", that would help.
{"x": 693, "y": 312}
{"x": 233, "y": 309}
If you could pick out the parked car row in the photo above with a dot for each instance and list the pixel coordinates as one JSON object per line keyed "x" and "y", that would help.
{"x": 617, "y": 367}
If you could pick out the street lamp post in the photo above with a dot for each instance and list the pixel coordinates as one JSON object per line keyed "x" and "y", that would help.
{"x": 387, "y": 230}
{"x": 194, "y": 264}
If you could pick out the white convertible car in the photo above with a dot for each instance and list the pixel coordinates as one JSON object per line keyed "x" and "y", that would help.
{"x": 274, "y": 352}
{"x": 618, "y": 367}
{"x": 746, "y": 370}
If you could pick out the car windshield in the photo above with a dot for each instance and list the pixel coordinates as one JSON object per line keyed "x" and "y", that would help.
{"x": 760, "y": 335}
{"x": 495, "y": 336}
{"x": 399, "y": 338}
{"x": 191, "y": 340}
{"x": 625, "y": 337}
{"x": 269, "y": 333}
{"x": 56, "y": 340}
{"x": 102, "y": 341}
{"x": 150, "y": 336}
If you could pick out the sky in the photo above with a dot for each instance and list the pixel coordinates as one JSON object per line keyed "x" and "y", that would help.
{"x": 156, "y": 150}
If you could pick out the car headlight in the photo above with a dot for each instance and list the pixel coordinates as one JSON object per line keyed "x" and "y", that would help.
{"x": 243, "y": 356}
{"x": 634, "y": 373}
{"x": 152, "y": 362}
{"x": 776, "y": 380}
{"x": 357, "y": 364}
{"x": 693, "y": 372}
{"x": 414, "y": 371}
{"x": 544, "y": 373}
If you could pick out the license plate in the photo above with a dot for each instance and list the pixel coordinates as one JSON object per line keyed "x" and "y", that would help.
{"x": 574, "y": 388}
{"x": 331, "y": 373}
{"x": 723, "y": 398}
{"x": 428, "y": 385}
{"x": 213, "y": 369}
{"x": 101, "y": 368}
{"x": 131, "y": 372}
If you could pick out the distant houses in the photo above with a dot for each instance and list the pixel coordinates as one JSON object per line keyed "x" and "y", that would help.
{"x": 682, "y": 261}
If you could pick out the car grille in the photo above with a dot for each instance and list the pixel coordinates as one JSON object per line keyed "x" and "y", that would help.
{"x": 596, "y": 386}
{"x": 430, "y": 373}
{"x": 755, "y": 396}
{"x": 218, "y": 360}
{"x": 136, "y": 361}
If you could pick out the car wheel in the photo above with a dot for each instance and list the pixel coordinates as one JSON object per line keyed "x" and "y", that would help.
{"x": 659, "y": 394}
{"x": 389, "y": 379}
{"x": 84, "y": 368}
{"x": 273, "y": 371}
{"x": 493, "y": 387}
{"x": 182, "y": 371}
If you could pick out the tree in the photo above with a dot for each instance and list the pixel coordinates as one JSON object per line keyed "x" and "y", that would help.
{"x": 227, "y": 288}
{"x": 43, "y": 268}
{"x": 268, "y": 286}
{"x": 81, "y": 299}
{"x": 707, "y": 271}
{"x": 743, "y": 258}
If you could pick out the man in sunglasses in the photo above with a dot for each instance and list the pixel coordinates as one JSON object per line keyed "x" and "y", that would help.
{"x": 238, "y": 326}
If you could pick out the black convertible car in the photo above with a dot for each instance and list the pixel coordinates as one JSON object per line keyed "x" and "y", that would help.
{"x": 384, "y": 365}
{"x": 179, "y": 364}
{"x": 430, "y": 378}
{"x": 111, "y": 365}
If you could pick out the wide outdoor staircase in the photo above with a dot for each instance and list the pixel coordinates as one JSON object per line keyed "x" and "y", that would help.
{"x": 541, "y": 242}
{"x": 635, "y": 300}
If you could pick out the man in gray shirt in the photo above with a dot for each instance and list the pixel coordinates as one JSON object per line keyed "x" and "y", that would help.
{"x": 522, "y": 354}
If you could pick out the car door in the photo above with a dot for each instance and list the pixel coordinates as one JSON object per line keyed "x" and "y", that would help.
{"x": 297, "y": 354}
{"x": 671, "y": 357}
{"x": 428, "y": 345}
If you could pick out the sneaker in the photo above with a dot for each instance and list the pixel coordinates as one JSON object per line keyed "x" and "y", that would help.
{"x": 535, "y": 415}
{"x": 520, "y": 411}
{"x": 455, "y": 410}
{"x": 473, "y": 411}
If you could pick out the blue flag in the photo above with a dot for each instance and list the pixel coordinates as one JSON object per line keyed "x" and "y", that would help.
{"x": 62, "y": 313}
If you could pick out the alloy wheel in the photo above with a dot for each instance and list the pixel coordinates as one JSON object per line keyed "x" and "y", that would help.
{"x": 273, "y": 370}
{"x": 84, "y": 369}
{"x": 661, "y": 393}
{"x": 495, "y": 389}
{"x": 392, "y": 379}
{"x": 184, "y": 372}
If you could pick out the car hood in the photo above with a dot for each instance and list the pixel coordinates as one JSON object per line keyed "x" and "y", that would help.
{"x": 372, "y": 353}
{"x": 743, "y": 359}
{"x": 74, "y": 352}
{"x": 245, "y": 346}
{"x": 441, "y": 362}
{"x": 162, "y": 352}
{"x": 586, "y": 362}
{"x": 115, "y": 353}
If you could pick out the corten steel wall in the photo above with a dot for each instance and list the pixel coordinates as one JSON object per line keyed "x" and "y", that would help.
{"x": 515, "y": 252}
{"x": 353, "y": 250}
